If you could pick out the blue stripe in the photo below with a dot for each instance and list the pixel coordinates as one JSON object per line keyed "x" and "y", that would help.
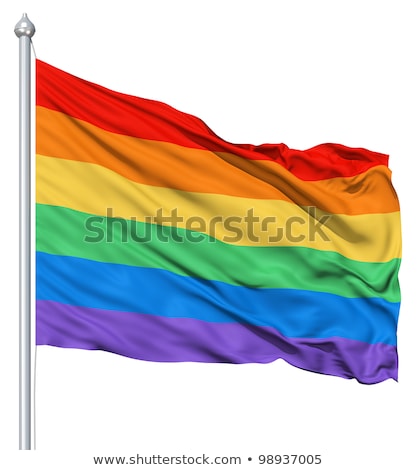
{"x": 292, "y": 312}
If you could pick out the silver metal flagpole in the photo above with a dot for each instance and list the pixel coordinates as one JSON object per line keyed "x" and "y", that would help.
{"x": 24, "y": 31}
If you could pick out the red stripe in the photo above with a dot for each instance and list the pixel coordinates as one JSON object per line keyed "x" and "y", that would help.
{"x": 147, "y": 119}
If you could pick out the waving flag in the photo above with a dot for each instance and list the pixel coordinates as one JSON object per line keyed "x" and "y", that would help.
{"x": 160, "y": 241}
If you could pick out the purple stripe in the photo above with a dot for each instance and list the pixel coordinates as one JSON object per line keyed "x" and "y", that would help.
{"x": 161, "y": 339}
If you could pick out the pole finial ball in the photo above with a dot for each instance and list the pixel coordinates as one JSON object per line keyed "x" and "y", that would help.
{"x": 24, "y": 27}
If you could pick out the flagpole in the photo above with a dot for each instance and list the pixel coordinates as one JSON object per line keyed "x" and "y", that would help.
{"x": 24, "y": 30}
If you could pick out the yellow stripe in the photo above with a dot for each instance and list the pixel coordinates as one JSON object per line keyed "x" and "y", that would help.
{"x": 94, "y": 189}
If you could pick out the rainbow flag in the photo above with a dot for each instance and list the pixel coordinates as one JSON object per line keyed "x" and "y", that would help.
{"x": 160, "y": 241}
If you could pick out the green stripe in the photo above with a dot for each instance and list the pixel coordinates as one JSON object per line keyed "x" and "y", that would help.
{"x": 64, "y": 231}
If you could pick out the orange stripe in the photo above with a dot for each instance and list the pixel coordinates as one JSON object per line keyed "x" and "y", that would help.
{"x": 173, "y": 166}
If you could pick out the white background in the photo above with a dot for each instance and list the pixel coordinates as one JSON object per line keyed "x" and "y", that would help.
{"x": 300, "y": 72}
